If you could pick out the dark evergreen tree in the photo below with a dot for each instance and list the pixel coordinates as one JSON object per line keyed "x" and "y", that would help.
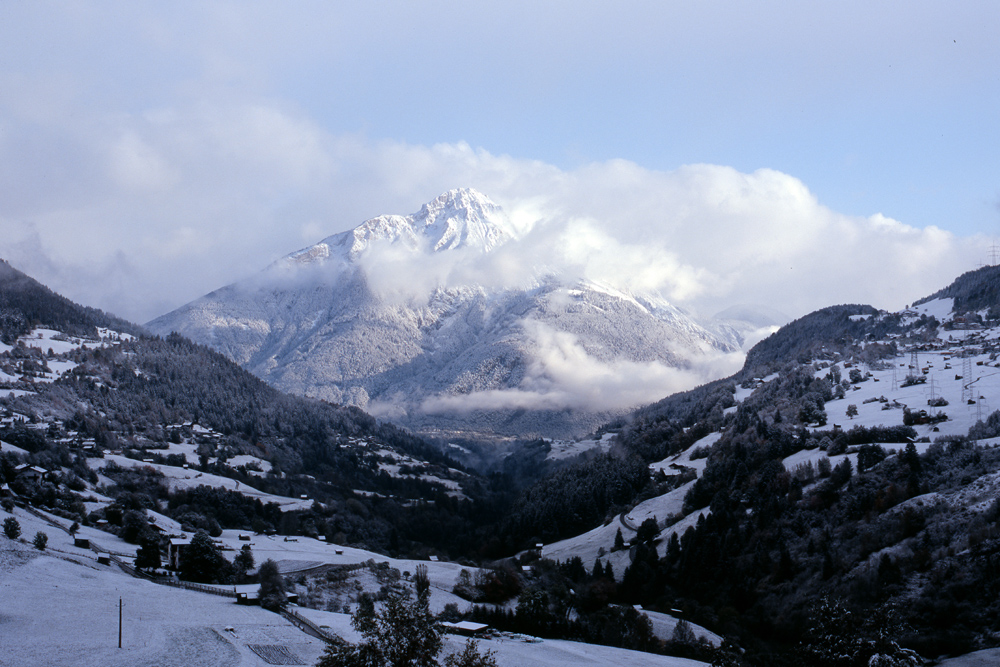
{"x": 40, "y": 541}
{"x": 648, "y": 530}
{"x": 147, "y": 556}
{"x": 244, "y": 559}
{"x": 202, "y": 561}
{"x": 135, "y": 526}
{"x": 272, "y": 586}
{"x": 11, "y": 528}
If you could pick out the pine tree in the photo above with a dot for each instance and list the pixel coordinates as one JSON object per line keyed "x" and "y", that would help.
{"x": 619, "y": 541}
{"x": 648, "y": 530}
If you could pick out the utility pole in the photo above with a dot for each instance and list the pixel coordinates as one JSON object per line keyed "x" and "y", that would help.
{"x": 119, "y": 622}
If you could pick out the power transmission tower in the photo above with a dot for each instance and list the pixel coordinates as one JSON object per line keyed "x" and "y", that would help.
{"x": 914, "y": 363}
{"x": 966, "y": 378}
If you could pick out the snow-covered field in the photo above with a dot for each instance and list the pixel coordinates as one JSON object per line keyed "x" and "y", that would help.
{"x": 985, "y": 658}
{"x": 60, "y": 607}
{"x": 7, "y": 447}
{"x": 56, "y": 612}
{"x": 522, "y": 651}
{"x": 183, "y": 478}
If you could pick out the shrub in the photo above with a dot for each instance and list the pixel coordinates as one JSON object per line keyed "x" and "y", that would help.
{"x": 40, "y": 541}
{"x": 11, "y": 528}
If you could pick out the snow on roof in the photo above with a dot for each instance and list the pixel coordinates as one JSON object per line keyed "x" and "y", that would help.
{"x": 466, "y": 626}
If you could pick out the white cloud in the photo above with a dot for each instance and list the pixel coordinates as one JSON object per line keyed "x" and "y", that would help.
{"x": 193, "y": 197}
{"x": 705, "y": 236}
{"x": 563, "y": 375}
{"x": 133, "y": 163}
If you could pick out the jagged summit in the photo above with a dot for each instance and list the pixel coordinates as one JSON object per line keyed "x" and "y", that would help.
{"x": 461, "y": 218}
{"x": 464, "y": 218}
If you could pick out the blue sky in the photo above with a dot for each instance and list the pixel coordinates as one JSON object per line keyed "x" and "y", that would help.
{"x": 151, "y": 152}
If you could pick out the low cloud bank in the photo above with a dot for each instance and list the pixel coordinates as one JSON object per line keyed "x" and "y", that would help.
{"x": 182, "y": 200}
{"x": 563, "y": 375}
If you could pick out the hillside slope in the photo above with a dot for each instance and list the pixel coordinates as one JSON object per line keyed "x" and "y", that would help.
{"x": 840, "y": 493}
{"x": 71, "y": 399}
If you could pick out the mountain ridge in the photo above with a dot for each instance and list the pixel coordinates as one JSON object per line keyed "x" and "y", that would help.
{"x": 325, "y": 321}
{"x": 457, "y": 219}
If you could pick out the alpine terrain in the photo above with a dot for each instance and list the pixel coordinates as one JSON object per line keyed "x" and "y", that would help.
{"x": 833, "y": 503}
{"x": 419, "y": 319}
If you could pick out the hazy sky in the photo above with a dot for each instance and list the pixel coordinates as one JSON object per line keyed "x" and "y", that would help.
{"x": 795, "y": 154}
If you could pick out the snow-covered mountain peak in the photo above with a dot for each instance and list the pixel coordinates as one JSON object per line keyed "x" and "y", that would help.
{"x": 411, "y": 317}
{"x": 462, "y": 218}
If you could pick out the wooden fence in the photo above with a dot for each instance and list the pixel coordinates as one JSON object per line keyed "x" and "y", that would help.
{"x": 311, "y": 628}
